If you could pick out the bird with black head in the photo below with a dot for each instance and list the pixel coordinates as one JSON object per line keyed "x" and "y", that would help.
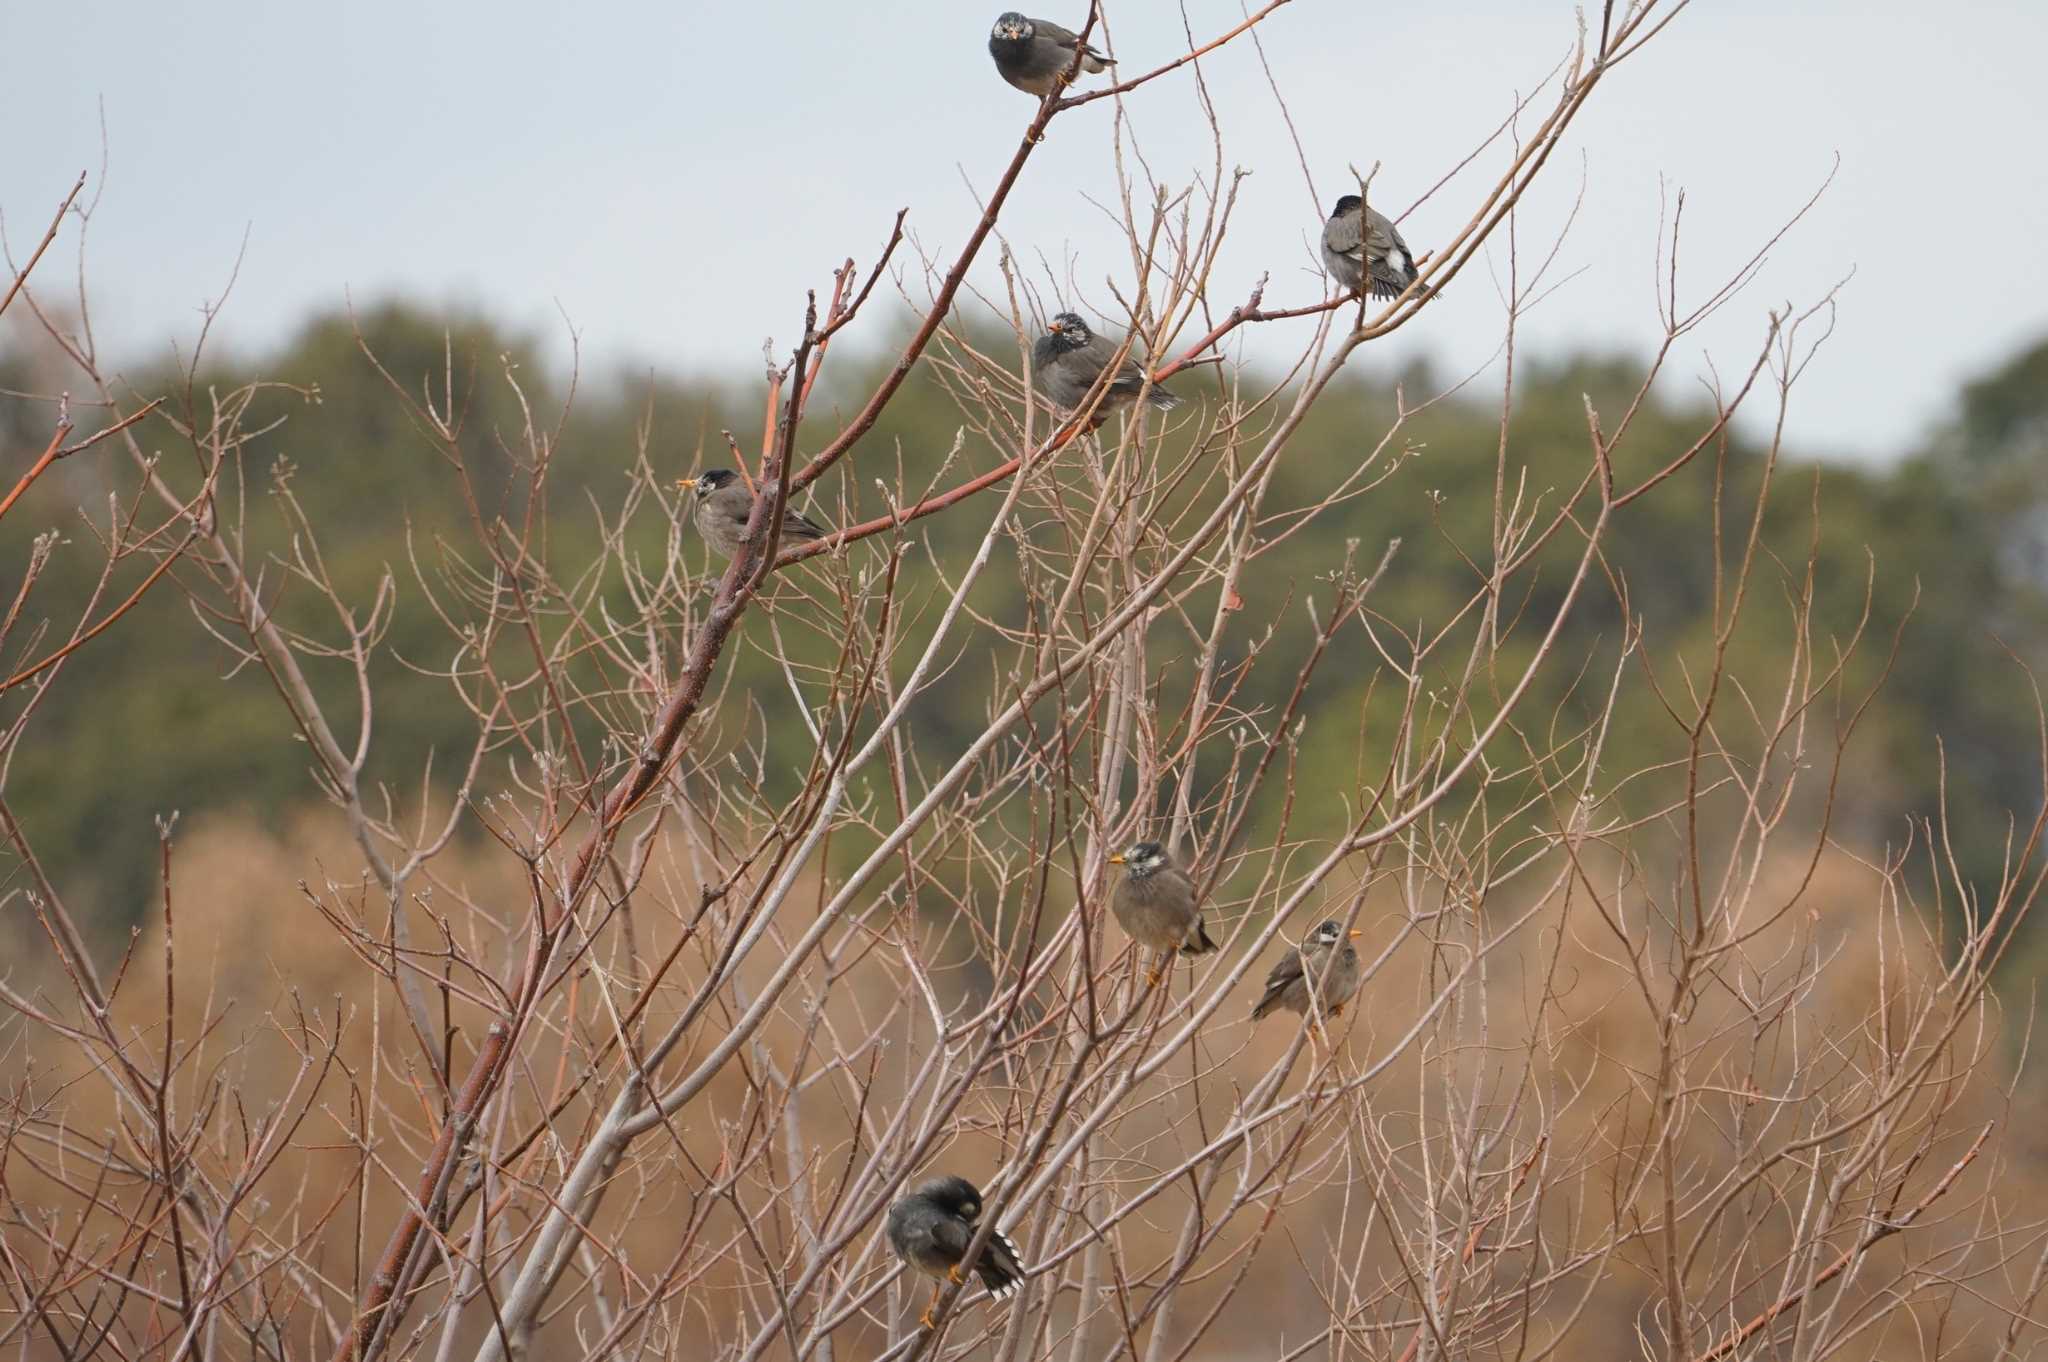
{"x": 724, "y": 501}
{"x": 930, "y": 1230}
{"x": 1156, "y": 904}
{"x": 1068, "y": 359}
{"x": 1365, "y": 250}
{"x": 1316, "y": 977}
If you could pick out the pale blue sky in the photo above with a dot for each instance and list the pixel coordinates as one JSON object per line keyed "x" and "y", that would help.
{"x": 671, "y": 177}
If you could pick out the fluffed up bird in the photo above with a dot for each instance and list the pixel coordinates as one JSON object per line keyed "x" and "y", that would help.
{"x": 1034, "y": 55}
{"x": 1374, "y": 260}
{"x": 724, "y": 501}
{"x": 1318, "y": 964}
{"x": 931, "y": 1228}
{"x": 1068, "y": 359}
{"x": 1155, "y": 902}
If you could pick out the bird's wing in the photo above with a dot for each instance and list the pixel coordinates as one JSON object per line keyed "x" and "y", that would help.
{"x": 1341, "y": 235}
{"x": 1130, "y": 376}
{"x": 796, "y": 525}
{"x": 1065, "y": 37}
{"x": 950, "y": 1235}
{"x": 1386, "y": 237}
{"x": 1286, "y": 970}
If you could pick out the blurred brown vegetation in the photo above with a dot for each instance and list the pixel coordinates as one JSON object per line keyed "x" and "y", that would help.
{"x": 252, "y": 965}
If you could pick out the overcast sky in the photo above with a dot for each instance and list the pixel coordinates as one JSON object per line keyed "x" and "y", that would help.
{"x": 670, "y": 177}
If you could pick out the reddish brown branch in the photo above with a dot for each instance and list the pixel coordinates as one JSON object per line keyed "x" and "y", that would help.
{"x": 931, "y": 505}
{"x": 942, "y": 303}
{"x": 1881, "y": 1230}
{"x": 1247, "y": 311}
{"x": 48, "y": 457}
{"x": 735, "y": 591}
{"x": 123, "y": 608}
{"x": 49, "y": 236}
{"x": 59, "y": 450}
{"x": 1124, "y": 87}
{"x": 433, "y": 1185}
{"x": 881, "y": 265}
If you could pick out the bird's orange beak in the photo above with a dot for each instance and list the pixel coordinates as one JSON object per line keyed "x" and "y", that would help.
{"x": 1056, "y": 326}
{"x": 1357, "y": 932}
{"x": 686, "y": 483}
{"x": 1116, "y": 858}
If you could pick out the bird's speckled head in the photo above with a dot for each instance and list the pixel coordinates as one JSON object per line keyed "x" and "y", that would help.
{"x": 1141, "y": 860}
{"x": 1348, "y": 204}
{"x": 709, "y": 481}
{"x": 1012, "y": 27}
{"x": 1329, "y": 934}
{"x": 953, "y": 1195}
{"x": 1068, "y": 332}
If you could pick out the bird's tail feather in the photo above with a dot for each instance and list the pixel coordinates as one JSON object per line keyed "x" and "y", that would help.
{"x": 1163, "y": 399}
{"x": 1001, "y": 1266}
{"x": 1390, "y": 281}
{"x": 1198, "y": 942}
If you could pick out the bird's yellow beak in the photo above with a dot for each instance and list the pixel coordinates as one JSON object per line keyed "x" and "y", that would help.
{"x": 1357, "y": 932}
{"x": 1116, "y": 858}
{"x": 686, "y": 483}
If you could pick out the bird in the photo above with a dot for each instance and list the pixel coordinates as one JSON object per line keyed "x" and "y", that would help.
{"x": 1377, "y": 262}
{"x": 1317, "y": 964}
{"x": 931, "y": 1228}
{"x": 724, "y": 502}
{"x": 1068, "y": 358}
{"x": 1035, "y": 55}
{"x": 1155, "y": 903}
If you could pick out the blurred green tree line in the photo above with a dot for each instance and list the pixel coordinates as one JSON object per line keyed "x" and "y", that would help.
{"x": 1950, "y": 539}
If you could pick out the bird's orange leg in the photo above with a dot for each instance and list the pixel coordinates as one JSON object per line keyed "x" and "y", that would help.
{"x": 929, "y": 1318}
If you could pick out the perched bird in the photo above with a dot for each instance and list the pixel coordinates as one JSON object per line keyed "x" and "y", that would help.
{"x": 724, "y": 502}
{"x": 1376, "y": 261}
{"x": 931, "y": 1228}
{"x": 1034, "y": 55}
{"x": 1155, "y": 902}
{"x": 1068, "y": 358}
{"x": 1319, "y": 965}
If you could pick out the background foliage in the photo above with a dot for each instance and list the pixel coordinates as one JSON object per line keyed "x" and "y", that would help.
{"x": 1945, "y": 547}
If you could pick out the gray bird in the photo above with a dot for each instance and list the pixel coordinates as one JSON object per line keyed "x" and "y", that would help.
{"x": 1378, "y": 262}
{"x": 931, "y": 1228}
{"x": 1068, "y": 358}
{"x": 1155, "y": 902}
{"x": 724, "y": 501}
{"x": 1332, "y": 973}
{"x": 1033, "y": 54}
